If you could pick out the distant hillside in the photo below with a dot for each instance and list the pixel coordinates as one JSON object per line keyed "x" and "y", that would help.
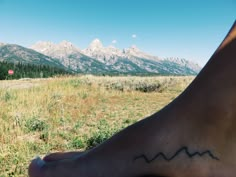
{"x": 18, "y": 54}
{"x": 111, "y": 59}
{"x": 97, "y": 59}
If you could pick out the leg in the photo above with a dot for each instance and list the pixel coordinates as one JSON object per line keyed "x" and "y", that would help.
{"x": 195, "y": 135}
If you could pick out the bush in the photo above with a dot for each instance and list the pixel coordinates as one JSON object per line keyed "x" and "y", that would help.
{"x": 35, "y": 124}
{"x": 147, "y": 87}
{"x": 77, "y": 143}
{"x": 97, "y": 138}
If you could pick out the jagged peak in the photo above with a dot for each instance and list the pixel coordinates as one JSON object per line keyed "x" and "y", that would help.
{"x": 96, "y": 40}
{"x": 59, "y": 50}
{"x": 95, "y": 44}
{"x": 132, "y": 49}
{"x": 135, "y": 48}
{"x": 43, "y": 45}
{"x": 65, "y": 43}
{"x": 111, "y": 47}
{"x": 110, "y": 57}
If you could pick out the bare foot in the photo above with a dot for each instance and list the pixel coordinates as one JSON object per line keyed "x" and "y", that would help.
{"x": 195, "y": 135}
{"x": 61, "y": 156}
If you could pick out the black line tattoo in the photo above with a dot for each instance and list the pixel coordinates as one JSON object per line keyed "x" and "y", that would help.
{"x": 182, "y": 149}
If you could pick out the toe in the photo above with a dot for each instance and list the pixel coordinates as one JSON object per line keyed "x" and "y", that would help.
{"x": 59, "y": 168}
{"x": 35, "y": 167}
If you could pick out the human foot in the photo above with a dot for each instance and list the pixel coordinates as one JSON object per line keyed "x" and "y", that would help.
{"x": 61, "y": 156}
{"x": 193, "y": 136}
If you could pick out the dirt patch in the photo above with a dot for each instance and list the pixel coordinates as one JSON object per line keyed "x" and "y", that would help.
{"x": 20, "y": 84}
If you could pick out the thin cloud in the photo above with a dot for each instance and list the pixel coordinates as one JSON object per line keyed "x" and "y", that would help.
{"x": 114, "y": 41}
{"x": 134, "y": 36}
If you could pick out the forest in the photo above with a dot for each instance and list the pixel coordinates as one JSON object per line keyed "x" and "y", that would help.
{"x": 28, "y": 71}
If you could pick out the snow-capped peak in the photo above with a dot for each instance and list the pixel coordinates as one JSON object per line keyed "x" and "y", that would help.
{"x": 104, "y": 54}
{"x": 96, "y": 44}
{"x": 111, "y": 47}
{"x": 43, "y": 46}
{"x": 69, "y": 56}
{"x": 64, "y": 48}
{"x": 135, "y": 48}
{"x": 66, "y": 44}
{"x": 134, "y": 51}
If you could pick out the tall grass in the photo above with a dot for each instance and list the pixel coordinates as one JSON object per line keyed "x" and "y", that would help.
{"x": 60, "y": 114}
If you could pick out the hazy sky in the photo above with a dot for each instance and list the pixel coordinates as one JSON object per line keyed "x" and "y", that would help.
{"x": 191, "y": 29}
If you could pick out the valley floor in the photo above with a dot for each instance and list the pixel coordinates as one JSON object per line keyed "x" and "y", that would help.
{"x": 58, "y": 114}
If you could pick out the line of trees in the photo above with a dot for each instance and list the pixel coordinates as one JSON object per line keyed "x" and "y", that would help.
{"x": 28, "y": 71}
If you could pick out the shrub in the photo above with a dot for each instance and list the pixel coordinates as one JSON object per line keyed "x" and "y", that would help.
{"x": 77, "y": 143}
{"x": 97, "y": 138}
{"x": 147, "y": 87}
{"x": 35, "y": 124}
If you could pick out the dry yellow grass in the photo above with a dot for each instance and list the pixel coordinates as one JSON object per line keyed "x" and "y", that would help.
{"x": 59, "y": 114}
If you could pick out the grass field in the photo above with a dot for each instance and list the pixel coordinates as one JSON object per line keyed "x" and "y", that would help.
{"x": 60, "y": 114}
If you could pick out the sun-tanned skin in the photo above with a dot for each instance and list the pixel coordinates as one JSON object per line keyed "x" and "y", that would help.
{"x": 195, "y": 135}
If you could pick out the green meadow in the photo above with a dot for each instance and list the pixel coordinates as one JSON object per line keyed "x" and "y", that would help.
{"x": 39, "y": 116}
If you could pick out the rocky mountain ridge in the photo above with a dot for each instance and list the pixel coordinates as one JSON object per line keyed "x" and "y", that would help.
{"x": 98, "y": 59}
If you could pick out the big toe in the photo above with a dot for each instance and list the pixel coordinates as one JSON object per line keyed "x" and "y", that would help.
{"x": 35, "y": 167}
{"x": 60, "y": 168}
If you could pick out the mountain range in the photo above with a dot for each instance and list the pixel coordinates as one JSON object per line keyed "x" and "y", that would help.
{"x": 97, "y": 59}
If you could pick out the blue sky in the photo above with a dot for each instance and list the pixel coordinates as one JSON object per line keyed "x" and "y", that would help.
{"x": 190, "y": 29}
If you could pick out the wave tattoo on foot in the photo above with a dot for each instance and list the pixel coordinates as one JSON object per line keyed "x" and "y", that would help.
{"x": 182, "y": 149}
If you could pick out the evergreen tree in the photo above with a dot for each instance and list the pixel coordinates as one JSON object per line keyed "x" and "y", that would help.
{"x": 28, "y": 71}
